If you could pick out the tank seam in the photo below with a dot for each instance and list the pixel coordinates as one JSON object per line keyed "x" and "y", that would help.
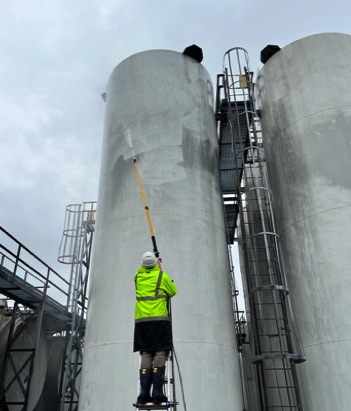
{"x": 302, "y": 118}
{"x": 312, "y": 215}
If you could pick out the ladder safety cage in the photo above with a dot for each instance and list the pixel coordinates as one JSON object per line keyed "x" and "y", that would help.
{"x": 275, "y": 344}
{"x": 75, "y": 249}
{"x": 231, "y": 162}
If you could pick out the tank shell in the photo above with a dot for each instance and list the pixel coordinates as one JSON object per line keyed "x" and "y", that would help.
{"x": 50, "y": 396}
{"x": 25, "y": 341}
{"x": 165, "y": 101}
{"x": 305, "y": 103}
{"x": 5, "y": 323}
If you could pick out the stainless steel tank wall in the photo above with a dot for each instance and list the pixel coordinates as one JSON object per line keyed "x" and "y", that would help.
{"x": 4, "y": 334}
{"x": 24, "y": 341}
{"x": 165, "y": 101}
{"x": 50, "y": 395}
{"x": 305, "y": 99}
{"x": 44, "y": 393}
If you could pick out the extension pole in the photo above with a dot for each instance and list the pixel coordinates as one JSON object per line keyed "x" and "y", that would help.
{"x": 147, "y": 210}
{"x": 146, "y": 207}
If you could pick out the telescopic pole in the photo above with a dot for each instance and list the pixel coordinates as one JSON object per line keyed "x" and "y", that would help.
{"x": 146, "y": 207}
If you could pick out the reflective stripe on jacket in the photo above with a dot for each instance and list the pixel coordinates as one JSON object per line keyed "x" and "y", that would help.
{"x": 153, "y": 289}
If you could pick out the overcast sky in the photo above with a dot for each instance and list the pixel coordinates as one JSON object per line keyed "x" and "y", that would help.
{"x": 56, "y": 57}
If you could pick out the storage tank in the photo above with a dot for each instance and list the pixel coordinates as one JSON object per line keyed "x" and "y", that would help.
{"x": 305, "y": 98}
{"x": 50, "y": 395}
{"x": 5, "y": 322}
{"x": 24, "y": 342}
{"x": 164, "y": 101}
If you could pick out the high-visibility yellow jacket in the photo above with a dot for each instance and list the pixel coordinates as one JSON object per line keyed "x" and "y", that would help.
{"x": 153, "y": 289}
{"x": 153, "y": 329}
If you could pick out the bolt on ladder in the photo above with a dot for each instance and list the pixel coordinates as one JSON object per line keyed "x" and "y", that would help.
{"x": 168, "y": 389}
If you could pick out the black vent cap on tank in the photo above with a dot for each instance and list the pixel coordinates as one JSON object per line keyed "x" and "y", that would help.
{"x": 195, "y": 52}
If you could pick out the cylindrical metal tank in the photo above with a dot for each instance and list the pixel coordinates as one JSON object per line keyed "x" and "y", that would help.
{"x": 50, "y": 395}
{"x": 4, "y": 334}
{"x": 164, "y": 99}
{"x": 305, "y": 98}
{"x": 25, "y": 341}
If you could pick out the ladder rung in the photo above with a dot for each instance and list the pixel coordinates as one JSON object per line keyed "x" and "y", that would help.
{"x": 281, "y": 387}
{"x": 150, "y": 406}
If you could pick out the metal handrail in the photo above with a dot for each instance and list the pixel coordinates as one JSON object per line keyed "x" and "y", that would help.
{"x": 15, "y": 262}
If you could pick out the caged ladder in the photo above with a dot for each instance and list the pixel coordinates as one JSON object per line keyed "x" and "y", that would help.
{"x": 168, "y": 389}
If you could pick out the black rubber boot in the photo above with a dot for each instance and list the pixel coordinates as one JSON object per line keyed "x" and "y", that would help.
{"x": 158, "y": 374}
{"x": 145, "y": 385}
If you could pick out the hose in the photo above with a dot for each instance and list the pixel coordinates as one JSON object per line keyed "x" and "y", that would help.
{"x": 180, "y": 379}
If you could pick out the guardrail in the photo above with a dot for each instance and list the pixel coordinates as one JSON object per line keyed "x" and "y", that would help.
{"x": 22, "y": 264}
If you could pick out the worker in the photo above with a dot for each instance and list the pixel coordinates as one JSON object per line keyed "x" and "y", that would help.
{"x": 153, "y": 328}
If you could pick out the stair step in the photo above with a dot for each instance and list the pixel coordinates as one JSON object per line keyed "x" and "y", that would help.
{"x": 150, "y": 406}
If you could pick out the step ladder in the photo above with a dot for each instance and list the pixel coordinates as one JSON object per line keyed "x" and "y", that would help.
{"x": 168, "y": 389}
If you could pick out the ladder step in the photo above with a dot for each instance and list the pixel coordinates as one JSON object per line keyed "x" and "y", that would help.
{"x": 150, "y": 406}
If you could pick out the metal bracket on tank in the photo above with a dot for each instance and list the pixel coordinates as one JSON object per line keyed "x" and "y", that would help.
{"x": 271, "y": 287}
{"x": 296, "y": 358}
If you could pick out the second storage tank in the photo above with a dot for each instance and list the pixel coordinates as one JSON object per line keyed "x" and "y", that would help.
{"x": 305, "y": 98}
